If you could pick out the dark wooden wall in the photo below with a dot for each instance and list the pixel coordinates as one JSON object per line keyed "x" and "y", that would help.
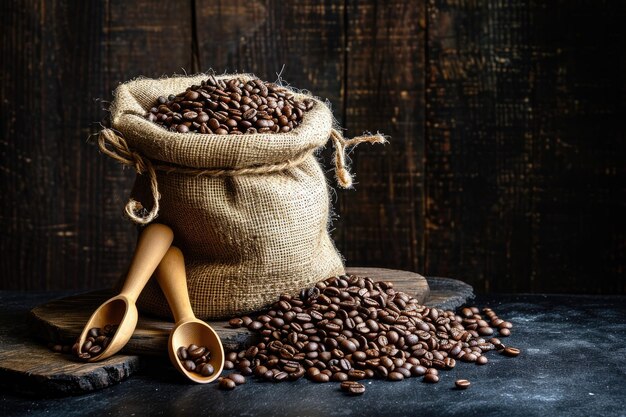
{"x": 505, "y": 169}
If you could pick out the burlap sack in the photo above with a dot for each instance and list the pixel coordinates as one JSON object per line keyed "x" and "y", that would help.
{"x": 250, "y": 212}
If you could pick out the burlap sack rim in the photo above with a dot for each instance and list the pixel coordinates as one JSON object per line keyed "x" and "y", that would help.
{"x": 135, "y": 97}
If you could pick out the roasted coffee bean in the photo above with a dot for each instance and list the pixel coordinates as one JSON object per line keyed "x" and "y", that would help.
{"x": 339, "y": 377}
{"x": 230, "y": 107}
{"x": 206, "y": 369}
{"x": 395, "y": 376}
{"x": 227, "y": 384}
{"x": 320, "y": 377}
{"x": 237, "y": 378}
{"x": 431, "y": 378}
{"x": 197, "y": 352}
{"x": 508, "y": 351}
{"x": 235, "y": 323}
{"x": 482, "y": 360}
{"x": 348, "y": 346}
{"x": 462, "y": 383}
{"x": 418, "y": 370}
{"x": 352, "y": 387}
{"x": 189, "y": 365}
{"x": 504, "y": 332}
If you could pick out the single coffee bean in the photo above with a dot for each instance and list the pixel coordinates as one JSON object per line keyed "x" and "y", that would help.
{"x": 207, "y": 369}
{"x": 418, "y": 370}
{"x": 321, "y": 377}
{"x": 482, "y": 360}
{"x": 227, "y": 384}
{"x": 356, "y": 389}
{"x": 348, "y": 346}
{"x": 504, "y": 332}
{"x": 395, "y": 376}
{"x": 509, "y": 351}
{"x": 237, "y": 378}
{"x": 339, "y": 377}
{"x": 189, "y": 365}
{"x": 197, "y": 352}
{"x": 431, "y": 378}
{"x": 235, "y": 323}
{"x": 462, "y": 383}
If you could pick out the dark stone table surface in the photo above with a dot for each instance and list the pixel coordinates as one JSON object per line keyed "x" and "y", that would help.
{"x": 573, "y": 363}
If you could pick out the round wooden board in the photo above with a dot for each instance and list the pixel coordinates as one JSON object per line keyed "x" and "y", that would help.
{"x": 62, "y": 320}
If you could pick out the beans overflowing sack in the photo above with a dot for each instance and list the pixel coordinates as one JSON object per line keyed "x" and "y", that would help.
{"x": 250, "y": 212}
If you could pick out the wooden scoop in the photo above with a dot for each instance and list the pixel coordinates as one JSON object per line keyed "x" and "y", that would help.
{"x": 121, "y": 310}
{"x": 188, "y": 329}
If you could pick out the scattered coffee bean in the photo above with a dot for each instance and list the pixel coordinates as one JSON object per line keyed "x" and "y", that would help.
{"x": 237, "y": 378}
{"x": 236, "y": 322}
{"x": 227, "y": 384}
{"x": 504, "y": 332}
{"x": 462, "y": 383}
{"x": 431, "y": 378}
{"x": 482, "y": 360}
{"x": 352, "y": 387}
{"x": 395, "y": 376}
{"x": 231, "y": 106}
{"x": 511, "y": 351}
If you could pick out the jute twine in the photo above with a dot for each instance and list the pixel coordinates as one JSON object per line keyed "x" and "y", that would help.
{"x": 116, "y": 147}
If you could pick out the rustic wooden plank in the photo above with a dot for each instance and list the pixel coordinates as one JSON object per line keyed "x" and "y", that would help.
{"x": 381, "y": 221}
{"x": 54, "y": 73}
{"x": 525, "y": 145}
{"x": 28, "y": 367}
{"x": 301, "y": 40}
{"x": 61, "y": 321}
{"x": 64, "y": 226}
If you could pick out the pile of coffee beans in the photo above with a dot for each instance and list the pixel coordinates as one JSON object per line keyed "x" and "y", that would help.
{"x": 232, "y": 106}
{"x": 196, "y": 359}
{"x": 349, "y": 328}
{"x": 97, "y": 341}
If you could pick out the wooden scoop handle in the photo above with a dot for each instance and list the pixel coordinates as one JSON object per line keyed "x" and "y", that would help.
{"x": 152, "y": 245}
{"x": 173, "y": 281}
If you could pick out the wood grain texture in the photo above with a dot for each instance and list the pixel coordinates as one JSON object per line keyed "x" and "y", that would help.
{"x": 525, "y": 145}
{"x": 382, "y": 218}
{"x": 61, "y": 321}
{"x": 505, "y": 167}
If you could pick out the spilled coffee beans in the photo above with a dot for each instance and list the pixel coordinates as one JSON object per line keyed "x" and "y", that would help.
{"x": 196, "y": 359}
{"x": 349, "y": 328}
{"x": 232, "y": 107}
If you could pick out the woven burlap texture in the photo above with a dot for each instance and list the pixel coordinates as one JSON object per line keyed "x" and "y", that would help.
{"x": 246, "y": 238}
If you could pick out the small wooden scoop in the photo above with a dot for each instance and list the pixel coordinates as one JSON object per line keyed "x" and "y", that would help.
{"x": 188, "y": 329}
{"x": 121, "y": 310}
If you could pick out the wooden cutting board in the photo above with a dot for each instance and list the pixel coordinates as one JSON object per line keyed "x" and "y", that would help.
{"x": 61, "y": 320}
